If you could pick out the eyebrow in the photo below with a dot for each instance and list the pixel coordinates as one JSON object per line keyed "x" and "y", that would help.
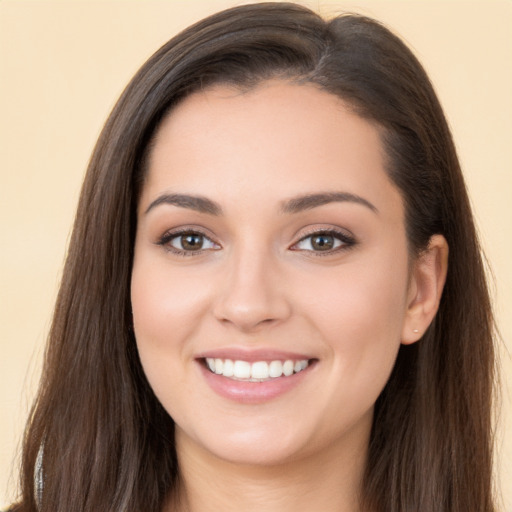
{"x": 295, "y": 205}
{"x": 197, "y": 203}
{"x": 309, "y": 201}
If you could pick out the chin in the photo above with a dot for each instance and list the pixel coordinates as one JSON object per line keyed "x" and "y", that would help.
{"x": 253, "y": 447}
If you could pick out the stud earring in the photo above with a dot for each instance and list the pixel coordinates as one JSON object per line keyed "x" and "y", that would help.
{"x": 415, "y": 330}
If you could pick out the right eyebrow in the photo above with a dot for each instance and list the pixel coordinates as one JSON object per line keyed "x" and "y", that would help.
{"x": 310, "y": 201}
{"x": 197, "y": 203}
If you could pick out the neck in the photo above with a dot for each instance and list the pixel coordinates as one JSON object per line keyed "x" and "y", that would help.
{"x": 328, "y": 480}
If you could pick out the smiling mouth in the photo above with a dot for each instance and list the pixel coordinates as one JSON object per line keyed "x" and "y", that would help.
{"x": 259, "y": 371}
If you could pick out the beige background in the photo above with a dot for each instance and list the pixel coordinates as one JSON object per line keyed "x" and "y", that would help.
{"x": 62, "y": 66}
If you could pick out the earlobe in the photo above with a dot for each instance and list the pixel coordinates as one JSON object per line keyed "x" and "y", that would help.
{"x": 425, "y": 289}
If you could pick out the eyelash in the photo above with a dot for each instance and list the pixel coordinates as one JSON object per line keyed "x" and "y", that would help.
{"x": 167, "y": 238}
{"x": 346, "y": 241}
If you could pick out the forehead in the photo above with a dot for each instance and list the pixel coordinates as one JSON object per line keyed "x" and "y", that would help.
{"x": 277, "y": 139}
{"x": 279, "y": 110}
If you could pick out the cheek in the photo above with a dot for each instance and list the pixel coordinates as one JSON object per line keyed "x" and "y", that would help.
{"x": 164, "y": 304}
{"x": 359, "y": 299}
{"x": 167, "y": 312}
{"x": 359, "y": 314}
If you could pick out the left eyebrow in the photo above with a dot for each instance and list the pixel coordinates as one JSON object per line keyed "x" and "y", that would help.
{"x": 197, "y": 203}
{"x": 309, "y": 201}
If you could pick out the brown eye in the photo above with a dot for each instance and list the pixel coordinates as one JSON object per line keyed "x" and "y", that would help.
{"x": 322, "y": 242}
{"x": 188, "y": 242}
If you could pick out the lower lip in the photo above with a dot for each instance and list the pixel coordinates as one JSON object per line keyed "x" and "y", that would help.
{"x": 252, "y": 392}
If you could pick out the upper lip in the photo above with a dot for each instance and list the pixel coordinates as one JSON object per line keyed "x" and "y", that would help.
{"x": 261, "y": 354}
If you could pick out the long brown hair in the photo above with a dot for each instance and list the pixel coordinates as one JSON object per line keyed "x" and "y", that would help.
{"x": 105, "y": 442}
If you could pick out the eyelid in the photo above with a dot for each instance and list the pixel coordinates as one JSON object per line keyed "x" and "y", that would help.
{"x": 171, "y": 234}
{"x": 347, "y": 240}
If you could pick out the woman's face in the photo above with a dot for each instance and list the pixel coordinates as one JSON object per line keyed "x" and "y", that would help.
{"x": 270, "y": 247}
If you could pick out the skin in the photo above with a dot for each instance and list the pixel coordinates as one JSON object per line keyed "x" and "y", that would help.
{"x": 259, "y": 283}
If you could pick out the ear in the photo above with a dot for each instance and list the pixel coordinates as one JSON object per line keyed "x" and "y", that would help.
{"x": 428, "y": 276}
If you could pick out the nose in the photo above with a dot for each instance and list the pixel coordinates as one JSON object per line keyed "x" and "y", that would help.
{"x": 253, "y": 293}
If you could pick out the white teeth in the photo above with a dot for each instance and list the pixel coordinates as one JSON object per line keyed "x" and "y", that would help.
{"x": 257, "y": 371}
{"x": 275, "y": 369}
{"x": 229, "y": 369}
{"x": 288, "y": 368}
{"x": 219, "y": 366}
{"x": 242, "y": 370}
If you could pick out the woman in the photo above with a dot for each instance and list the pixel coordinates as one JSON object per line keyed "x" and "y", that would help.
{"x": 257, "y": 309}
